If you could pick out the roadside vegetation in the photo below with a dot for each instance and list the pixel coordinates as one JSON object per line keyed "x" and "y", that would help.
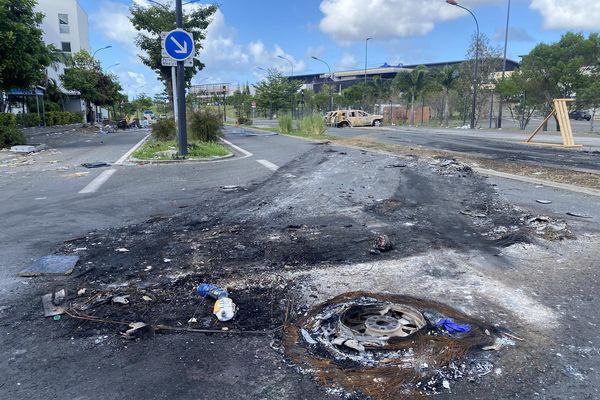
{"x": 309, "y": 126}
{"x": 204, "y": 131}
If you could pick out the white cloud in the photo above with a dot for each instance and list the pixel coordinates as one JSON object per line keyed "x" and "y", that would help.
{"x": 354, "y": 20}
{"x": 112, "y": 21}
{"x": 348, "y": 62}
{"x": 573, "y": 14}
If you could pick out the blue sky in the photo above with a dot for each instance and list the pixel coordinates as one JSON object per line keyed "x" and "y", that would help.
{"x": 245, "y": 35}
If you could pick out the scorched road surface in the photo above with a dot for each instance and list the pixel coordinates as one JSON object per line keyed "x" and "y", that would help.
{"x": 281, "y": 243}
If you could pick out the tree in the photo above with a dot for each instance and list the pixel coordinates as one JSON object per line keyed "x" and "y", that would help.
{"x": 275, "y": 91}
{"x": 412, "y": 83}
{"x": 142, "y": 102}
{"x": 151, "y": 21}
{"x": 559, "y": 68}
{"x": 381, "y": 89}
{"x": 83, "y": 75}
{"x": 490, "y": 61}
{"x": 522, "y": 95}
{"x": 446, "y": 79}
{"x": 23, "y": 54}
{"x": 589, "y": 96}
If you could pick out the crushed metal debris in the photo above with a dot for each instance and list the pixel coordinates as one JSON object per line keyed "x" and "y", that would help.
{"x": 388, "y": 346}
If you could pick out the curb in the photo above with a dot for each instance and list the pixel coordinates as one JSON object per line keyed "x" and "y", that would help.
{"x": 186, "y": 161}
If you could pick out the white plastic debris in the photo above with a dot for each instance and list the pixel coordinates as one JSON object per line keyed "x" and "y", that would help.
{"x": 122, "y": 250}
{"x": 224, "y": 309}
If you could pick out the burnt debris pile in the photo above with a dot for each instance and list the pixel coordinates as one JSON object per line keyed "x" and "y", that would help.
{"x": 389, "y": 346}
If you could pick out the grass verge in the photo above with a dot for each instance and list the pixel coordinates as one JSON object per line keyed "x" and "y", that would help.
{"x": 154, "y": 150}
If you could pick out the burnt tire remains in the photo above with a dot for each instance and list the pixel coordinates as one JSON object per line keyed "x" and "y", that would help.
{"x": 386, "y": 346}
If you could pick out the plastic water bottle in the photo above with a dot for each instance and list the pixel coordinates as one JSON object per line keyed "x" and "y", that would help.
{"x": 224, "y": 309}
{"x": 209, "y": 290}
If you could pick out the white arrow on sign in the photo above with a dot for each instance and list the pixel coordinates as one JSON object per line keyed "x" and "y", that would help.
{"x": 182, "y": 49}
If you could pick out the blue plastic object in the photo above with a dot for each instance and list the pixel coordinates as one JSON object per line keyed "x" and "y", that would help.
{"x": 213, "y": 291}
{"x": 452, "y": 327}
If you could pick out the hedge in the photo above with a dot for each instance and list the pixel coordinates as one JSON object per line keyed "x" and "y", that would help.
{"x": 8, "y": 119}
{"x": 33, "y": 119}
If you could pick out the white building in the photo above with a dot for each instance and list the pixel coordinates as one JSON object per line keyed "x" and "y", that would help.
{"x": 66, "y": 27}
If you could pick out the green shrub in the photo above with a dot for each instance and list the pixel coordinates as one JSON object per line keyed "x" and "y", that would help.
{"x": 286, "y": 124}
{"x": 205, "y": 126}
{"x": 312, "y": 125}
{"x": 11, "y": 136}
{"x": 244, "y": 121}
{"x": 75, "y": 117}
{"x": 8, "y": 119}
{"x": 28, "y": 120}
{"x": 164, "y": 130}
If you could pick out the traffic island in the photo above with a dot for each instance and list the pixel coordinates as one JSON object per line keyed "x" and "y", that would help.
{"x": 166, "y": 151}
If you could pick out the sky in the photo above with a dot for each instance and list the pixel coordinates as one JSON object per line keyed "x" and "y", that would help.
{"x": 247, "y": 35}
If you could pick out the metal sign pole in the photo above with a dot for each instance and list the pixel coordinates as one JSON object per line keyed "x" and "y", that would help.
{"x": 181, "y": 121}
{"x": 174, "y": 84}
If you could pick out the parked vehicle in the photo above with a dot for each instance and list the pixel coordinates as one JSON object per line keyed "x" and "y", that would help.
{"x": 353, "y": 118}
{"x": 148, "y": 114}
{"x": 579, "y": 115}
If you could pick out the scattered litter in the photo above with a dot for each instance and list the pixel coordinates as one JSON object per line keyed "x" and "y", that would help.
{"x": 80, "y": 249}
{"x": 452, "y": 327}
{"x": 41, "y": 198}
{"x": 122, "y": 250}
{"x": 137, "y": 330}
{"x": 577, "y": 215}
{"x": 473, "y": 214}
{"x": 120, "y": 299}
{"x": 224, "y": 308}
{"x": 51, "y": 265}
{"x": 53, "y": 303}
{"x": 79, "y": 174}
{"x": 446, "y": 384}
{"x": 57, "y": 318}
{"x": 544, "y": 201}
{"x": 147, "y": 298}
{"x": 81, "y": 292}
{"x": 192, "y": 321}
{"x": 148, "y": 268}
{"x": 396, "y": 166}
{"x": 383, "y": 244}
{"x": 307, "y": 337}
{"x": 98, "y": 164}
{"x": 167, "y": 260}
{"x": 230, "y": 188}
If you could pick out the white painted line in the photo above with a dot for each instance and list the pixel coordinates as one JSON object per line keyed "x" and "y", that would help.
{"x": 100, "y": 180}
{"x": 244, "y": 152}
{"x": 268, "y": 164}
{"x": 130, "y": 152}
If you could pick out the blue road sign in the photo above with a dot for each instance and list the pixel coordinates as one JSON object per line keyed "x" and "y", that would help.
{"x": 179, "y": 45}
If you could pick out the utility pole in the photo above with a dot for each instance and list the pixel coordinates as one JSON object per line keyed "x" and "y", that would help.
{"x": 181, "y": 112}
{"x": 504, "y": 64}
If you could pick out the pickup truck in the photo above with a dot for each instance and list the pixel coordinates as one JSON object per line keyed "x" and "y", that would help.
{"x": 352, "y": 118}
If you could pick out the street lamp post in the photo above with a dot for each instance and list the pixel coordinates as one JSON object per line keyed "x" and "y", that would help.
{"x": 102, "y": 48}
{"x": 366, "y": 55}
{"x": 114, "y": 65}
{"x": 504, "y": 63}
{"x": 181, "y": 111}
{"x": 292, "y": 77}
{"x": 473, "y": 110}
{"x": 331, "y": 77}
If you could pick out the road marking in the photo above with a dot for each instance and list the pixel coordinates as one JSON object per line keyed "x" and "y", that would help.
{"x": 268, "y": 165}
{"x": 130, "y": 152}
{"x": 100, "y": 180}
{"x": 244, "y": 152}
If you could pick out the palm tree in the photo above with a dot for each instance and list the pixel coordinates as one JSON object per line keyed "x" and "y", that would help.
{"x": 412, "y": 83}
{"x": 447, "y": 79}
{"x": 381, "y": 88}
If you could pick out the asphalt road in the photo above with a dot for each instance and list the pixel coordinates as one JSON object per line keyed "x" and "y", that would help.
{"x": 42, "y": 206}
{"x": 343, "y": 196}
{"x": 492, "y": 145}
